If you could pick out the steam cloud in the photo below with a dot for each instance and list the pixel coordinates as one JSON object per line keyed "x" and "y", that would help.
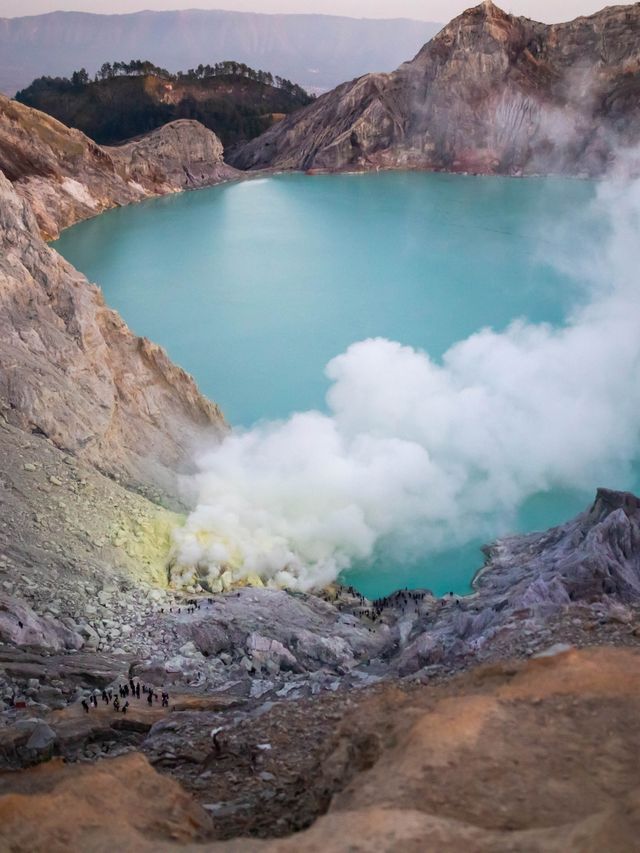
{"x": 428, "y": 454}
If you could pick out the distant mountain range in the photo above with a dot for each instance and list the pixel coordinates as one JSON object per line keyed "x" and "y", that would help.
{"x": 316, "y": 51}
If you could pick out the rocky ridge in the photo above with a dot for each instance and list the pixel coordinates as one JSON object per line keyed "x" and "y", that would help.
{"x": 66, "y": 177}
{"x": 492, "y": 93}
{"x": 95, "y": 422}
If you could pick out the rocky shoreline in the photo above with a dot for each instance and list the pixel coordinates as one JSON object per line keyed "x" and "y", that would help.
{"x": 66, "y": 177}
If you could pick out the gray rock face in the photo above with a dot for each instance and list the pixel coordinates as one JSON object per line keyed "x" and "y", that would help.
{"x": 20, "y": 626}
{"x": 182, "y": 154}
{"x": 589, "y": 567}
{"x": 298, "y": 632}
{"x": 491, "y": 93}
{"x": 66, "y": 177}
{"x": 42, "y": 737}
{"x": 70, "y": 369}
{"x": 595, "y": 555}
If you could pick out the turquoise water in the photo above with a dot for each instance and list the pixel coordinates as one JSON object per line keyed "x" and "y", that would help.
{"x": 254, "y": 287}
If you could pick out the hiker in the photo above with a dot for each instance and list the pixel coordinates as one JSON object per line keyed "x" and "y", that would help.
{"x": 85, "y": 705}
{"x": 150, "y": 698}
{"x": 105, "y": 698}
{"x": 116, "y": 704}
{"x": 125, "y": 706}
{"x": 138, "y": 690}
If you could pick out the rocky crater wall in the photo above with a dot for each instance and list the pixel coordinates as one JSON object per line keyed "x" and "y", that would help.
{"x": 492, "y": 93}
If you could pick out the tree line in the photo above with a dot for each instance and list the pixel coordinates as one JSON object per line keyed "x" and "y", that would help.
{"x": 143, "y": 67}
{"x": 116, "y": 105}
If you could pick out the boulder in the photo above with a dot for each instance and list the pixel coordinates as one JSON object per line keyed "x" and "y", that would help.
{"x": 42, "y": 737}
{"x": 20, "y": 625}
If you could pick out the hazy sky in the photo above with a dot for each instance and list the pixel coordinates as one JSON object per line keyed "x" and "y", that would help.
{"x": 430, "y": 10}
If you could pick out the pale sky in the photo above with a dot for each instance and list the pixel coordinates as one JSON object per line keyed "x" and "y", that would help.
{"x": 428, "y": 10}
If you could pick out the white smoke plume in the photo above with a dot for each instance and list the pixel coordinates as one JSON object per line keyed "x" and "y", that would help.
{"x": 434, "y": 454}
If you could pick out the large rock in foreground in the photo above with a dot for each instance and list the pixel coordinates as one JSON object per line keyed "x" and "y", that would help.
{"x": 122, "y": 803}
{"x": 491, "y": 93}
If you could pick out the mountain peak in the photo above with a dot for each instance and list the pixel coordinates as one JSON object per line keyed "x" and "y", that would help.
{"x": 491, "y": 93}
{"x": 487, "y": 9}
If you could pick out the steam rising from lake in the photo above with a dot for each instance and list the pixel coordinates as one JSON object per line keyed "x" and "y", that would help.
{"x": 433, "y": 454}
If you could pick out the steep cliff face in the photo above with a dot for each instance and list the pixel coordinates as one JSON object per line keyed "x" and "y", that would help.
{"x": 66, "y": 177}
{"x": 491, "y": 93}
{"x": 71, "y": 369}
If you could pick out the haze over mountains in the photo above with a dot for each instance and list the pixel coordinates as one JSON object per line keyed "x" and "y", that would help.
{"x": 492, "y": 93}
{"x": 316, "y": 51}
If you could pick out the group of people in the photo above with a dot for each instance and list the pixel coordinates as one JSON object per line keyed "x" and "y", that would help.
{"x": 120, "y": 698}
{"x": 401, "y": 598}
{"x": 192, "y": 604}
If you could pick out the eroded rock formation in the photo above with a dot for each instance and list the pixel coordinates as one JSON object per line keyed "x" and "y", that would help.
{"x": 491, "y": 93}
{"x": 66, "y": 177}
{"x": 71, "y": 370}
{"x": 123, "y": 801}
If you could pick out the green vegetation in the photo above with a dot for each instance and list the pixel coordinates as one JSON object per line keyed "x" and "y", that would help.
{"x": 126, "y": 99}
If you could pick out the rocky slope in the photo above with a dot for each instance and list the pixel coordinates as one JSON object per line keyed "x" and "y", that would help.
{"x": 316, "y": 699}
{"x": 95, "y": 422}
{"x": 66, "y": 177}
{"x": 72, "y": 371}
{"x": 532, "y": 757}
{"x": 491, "y": 93}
